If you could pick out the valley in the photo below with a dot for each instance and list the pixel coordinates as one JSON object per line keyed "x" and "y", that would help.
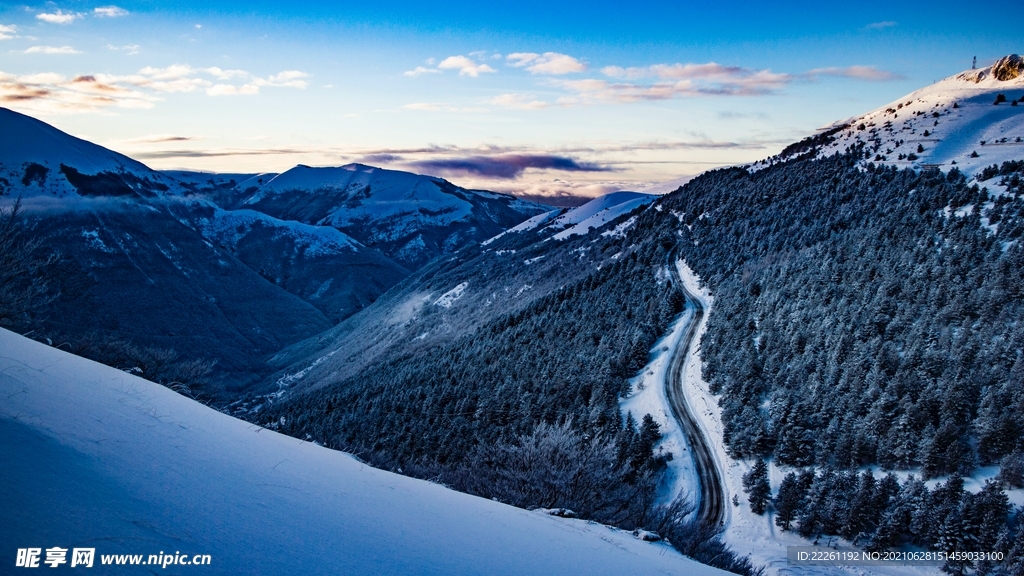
{"x": 822, "y": 347}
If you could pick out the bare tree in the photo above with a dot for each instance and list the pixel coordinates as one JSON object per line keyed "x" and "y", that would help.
{"x": 24, "y": 288}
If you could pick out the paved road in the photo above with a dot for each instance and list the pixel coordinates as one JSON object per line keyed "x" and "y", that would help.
{"x": 711, "y": 506}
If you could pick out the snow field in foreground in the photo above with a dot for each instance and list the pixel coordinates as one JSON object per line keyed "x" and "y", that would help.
{"x": 95, "y": 457}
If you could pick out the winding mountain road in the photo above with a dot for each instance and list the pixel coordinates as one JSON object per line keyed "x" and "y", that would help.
{"x": 711, "y": 504}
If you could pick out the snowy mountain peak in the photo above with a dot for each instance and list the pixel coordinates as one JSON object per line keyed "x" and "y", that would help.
{"x": 968, "y": 121}
{"x": 37, "y": 159}
{"x": 410, "y": 217}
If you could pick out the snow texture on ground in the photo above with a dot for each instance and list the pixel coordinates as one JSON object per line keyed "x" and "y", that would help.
{"x": 648, "y": 397}
{"x": 995, "y": 132}
{"x": 95, "y": 457}
{"x": 229, "y": 226}
{"x": 599, "y": 211}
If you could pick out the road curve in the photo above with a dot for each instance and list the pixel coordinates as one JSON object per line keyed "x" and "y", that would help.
{"x": 711, "y": 504}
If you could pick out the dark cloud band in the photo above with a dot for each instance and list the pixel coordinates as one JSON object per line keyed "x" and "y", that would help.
{"x": 506, "y": 167}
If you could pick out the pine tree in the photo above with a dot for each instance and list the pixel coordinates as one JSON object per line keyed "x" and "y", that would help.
{"x": 789, "y": 501}
{"x": 759, "y": 491}
{"x": 862, "y": 514}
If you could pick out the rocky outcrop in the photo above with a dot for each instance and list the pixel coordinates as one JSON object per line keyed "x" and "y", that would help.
{"x": 1008, "y": 67}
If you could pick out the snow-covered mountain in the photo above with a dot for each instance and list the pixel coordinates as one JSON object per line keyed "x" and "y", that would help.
{"x": 450, "y": 298}
{"x": 146, "y": 259}
{"x": 409, "y": 217}
{"x": 37, "y": 159}
{"x": 96, "y": 458}
{"x": 969, "y": 121}
{"x": 320, "y": 264}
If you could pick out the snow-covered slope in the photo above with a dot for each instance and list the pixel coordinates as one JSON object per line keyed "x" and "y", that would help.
{"x": 38, "y": 159}
{"x": 957, "y": 122}
{"x": 410, "y": 217}
{"x": 96, "y": 458}
{"x": 226, "y": 190}
{"x": 320, "y": 264}
{"x": 582, "y": 219}
{"x": 599, "y": 212}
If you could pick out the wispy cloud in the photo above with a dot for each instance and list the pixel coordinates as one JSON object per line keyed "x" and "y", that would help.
{"x": 504, "y": 167}
{"x": 380, "y": 159}
{"x": 109, "y": 12}
{"x": 59, "y": 17}
{"x": 51, "y": 50}
{"x": 518, "y": 102}
{"x": 218, "y": 153}
{"x": 880, "y": 25}
{"x": 8, "y": 31}
{"x": 162, "y": 138}
{"x": 420, "y": 70}
{"x": 129, "y": 49}
{"x": 55, "y": 93}
{"x": 669, "y": 81}
{"x": 286, "y": 79}
{"x": 439, "y": 107}
{"x": 868, "y": 73}
{"x": 551, "y": 63}
{"x": 465, "y": 66}
{"x": 232, "y": 90}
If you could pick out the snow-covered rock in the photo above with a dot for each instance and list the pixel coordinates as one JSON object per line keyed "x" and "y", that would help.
{"x": 97, "y": 458}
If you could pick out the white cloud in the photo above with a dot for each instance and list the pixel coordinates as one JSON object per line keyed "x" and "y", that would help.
{"x": 232, "y": 90}
{"x": 109, "y": 12}
{"x": 520, "y": 59}
{"x": 880, "y": 25}
{"x": 53, "y": 93}
{"x": 419, "y": 70}
{"x": 59, "y": 17}
{"x": 465, "y": 66}
{"x": 518, "y": 102}
{"x": 52, "y": 50}
{"x": 129, "y": 49}
{"x": 285, "y": 79}
{"x": 8, "y": 31}
{"x": 171, "y": 72}
{"x": 551, "y": 63}
{"x": 226, "y": 74}
{"x": 50, "y": 93}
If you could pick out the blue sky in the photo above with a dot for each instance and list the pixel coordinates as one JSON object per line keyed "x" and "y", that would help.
{"x": 531, "y": 97}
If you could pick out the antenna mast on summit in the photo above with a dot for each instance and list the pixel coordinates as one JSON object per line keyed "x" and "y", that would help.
{"x": 975, "y": 63}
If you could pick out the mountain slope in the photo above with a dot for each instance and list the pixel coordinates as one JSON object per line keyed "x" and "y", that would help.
{"x": 144, "y": 260}
{"x": 223, "y": 189}
{"x": 970, "y": 120}
{"x": 36, "y": 159}
{"x": 141, "y": 470}
{"x": 409, "y": 217}
{"x": 319, "y": 264}
{"x": 452, "y": 297}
